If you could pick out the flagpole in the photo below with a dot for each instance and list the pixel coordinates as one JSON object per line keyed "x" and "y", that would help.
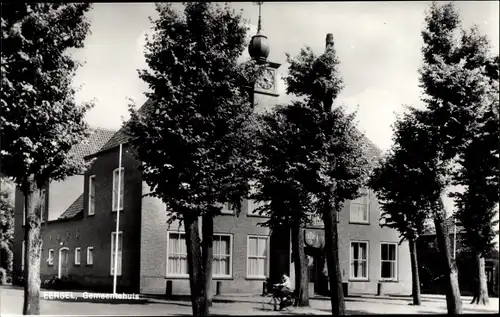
{"x": 117, "y": 240}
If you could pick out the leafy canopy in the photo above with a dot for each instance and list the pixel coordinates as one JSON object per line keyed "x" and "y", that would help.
{"x": 338, "y": 155}
{"x": 194, "y": 138}
{"x": 40, "y": 121}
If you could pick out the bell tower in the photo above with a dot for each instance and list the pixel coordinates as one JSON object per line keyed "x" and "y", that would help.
{"x": 265, "y": 91}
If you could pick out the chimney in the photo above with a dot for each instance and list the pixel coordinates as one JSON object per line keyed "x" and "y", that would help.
{"x": 329, "y": 40}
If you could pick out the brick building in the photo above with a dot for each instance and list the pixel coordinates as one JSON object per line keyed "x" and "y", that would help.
{"x": 152, "y": 254}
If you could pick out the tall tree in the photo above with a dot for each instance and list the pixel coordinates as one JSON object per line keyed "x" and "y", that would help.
{"x": 39, "y": 121}
{"x": 284, "y": 143}
{"x": 195, "y": 139}
{"x": 459, "y": 91}
{"x": 478, "y": 170}
{"x": 6, "y": 226}
{"x": 339, "y": 163}
{"x": 396, "y": 182}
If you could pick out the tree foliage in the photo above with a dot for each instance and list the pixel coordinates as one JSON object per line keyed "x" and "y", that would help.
{"x": 194, "y": 140}
{"x": 40, "y": 121}
{"x": 337, "y": 162}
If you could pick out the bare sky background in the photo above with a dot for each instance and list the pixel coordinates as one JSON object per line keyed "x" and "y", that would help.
{"x": 378, "y": 44}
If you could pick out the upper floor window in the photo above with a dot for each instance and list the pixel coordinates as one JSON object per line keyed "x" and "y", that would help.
{"x": 91, "y": 210}
{"x": 117, "y": 201}
{"x": 359, "y": 208}
{"x": 227, "y": 209}
{"x": 50, "y": 258}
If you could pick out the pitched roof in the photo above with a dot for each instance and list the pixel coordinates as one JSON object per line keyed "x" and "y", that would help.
{"x": 373, "y": 152}
{"x": 121, "y": 136}
{"x": 74, "y": 210}
{"x": 97, "y": 138}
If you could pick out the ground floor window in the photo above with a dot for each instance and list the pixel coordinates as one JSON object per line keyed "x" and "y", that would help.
{"x": 113, "y": 250}
{"x": 23, "y": 250}
{"x": 359, "y": 260}
{"x": 90, "y": 255}
{"x": 50, "y": 258}
{"x": 257, "y": 250}
{"x": 176, "y": 254}
{"x": 388, "y": 258}
{"x": 222, "y": 265}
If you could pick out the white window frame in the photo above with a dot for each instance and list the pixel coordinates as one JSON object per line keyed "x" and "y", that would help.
{"x": 78, "y": 255}
{"x": 23, "y": 251}
{"x": 177, "y": 275}
{"x": 24, "y": 216}
{"x": 50, "y": 257}
{"x": 114, "y": 206}
{"x": 351, "y": 260}
{"x": 91, "y": 200}
{"x": 218, "y": 235}
{"x": 250, "y": 236}
{"x": 227, "y": 209}
{"x": 120, "y": 253}
{"x": 396, "y": 271}
{"x": 365, "y": 195}
{"x": 90, "y": 250}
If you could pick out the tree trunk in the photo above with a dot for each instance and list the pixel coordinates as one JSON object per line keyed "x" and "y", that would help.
{"x": 32, "y": 204}
{"x": 207, "y": 243}
{"x": 195, "y": 269}
{"x": 453, "y": 300}
{"x": 481, "y": 287}
{"x": 332, "y": 256}
{"x": 415, "y": 279}
{"x": 301, "y": 268}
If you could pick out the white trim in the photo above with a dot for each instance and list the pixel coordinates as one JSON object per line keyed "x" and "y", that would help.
{"x": 59, "y": 261}
{"x": 120, "y": 252}
{"x": 91, "y": 211}
{"x": 396, "y": 262}
{"x": 174, "y": 275}
{"x": 87, "y": 259}
{"x": 367, "y": 243}
{"x": 230, "y": 275}
{"x": 78, "y": 251}
{"x": 122, "y": 184}
{"x": 267, "y": 256}
{"x": 50, "y": 257}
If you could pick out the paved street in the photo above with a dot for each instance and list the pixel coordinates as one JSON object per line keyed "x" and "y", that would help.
{"x": 11, "y": 304}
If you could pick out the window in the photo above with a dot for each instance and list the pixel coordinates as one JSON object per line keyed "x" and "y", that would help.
{"x": 50, "y": 258}
{"x": 257, "y": 250}
{"x": 23, "y": 250}
{"x": 227, "y": 209}
{"x": 388, "y": 265}
{"x": 120, "y": 244}
{"x": 359, "y": 208}
{"x": 91, "y": 195}
{"x": 177, "y": 254}
{"x": 222, "y": 265}
{"x": 24, "y": 217}
{"x": 359, "y": 260}
{"x": 90, "y": 255}
{"x": 77, "y": 256}
{"x": 115, "y": 200}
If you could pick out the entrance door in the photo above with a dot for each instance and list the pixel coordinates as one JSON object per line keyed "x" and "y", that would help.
{"x": 63, "y": 262}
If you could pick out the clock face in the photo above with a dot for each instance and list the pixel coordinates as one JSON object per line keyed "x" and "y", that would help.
{"x": 266, "y": 81}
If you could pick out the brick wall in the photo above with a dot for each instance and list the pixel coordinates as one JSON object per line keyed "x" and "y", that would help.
{"x": 94, "y": 230}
